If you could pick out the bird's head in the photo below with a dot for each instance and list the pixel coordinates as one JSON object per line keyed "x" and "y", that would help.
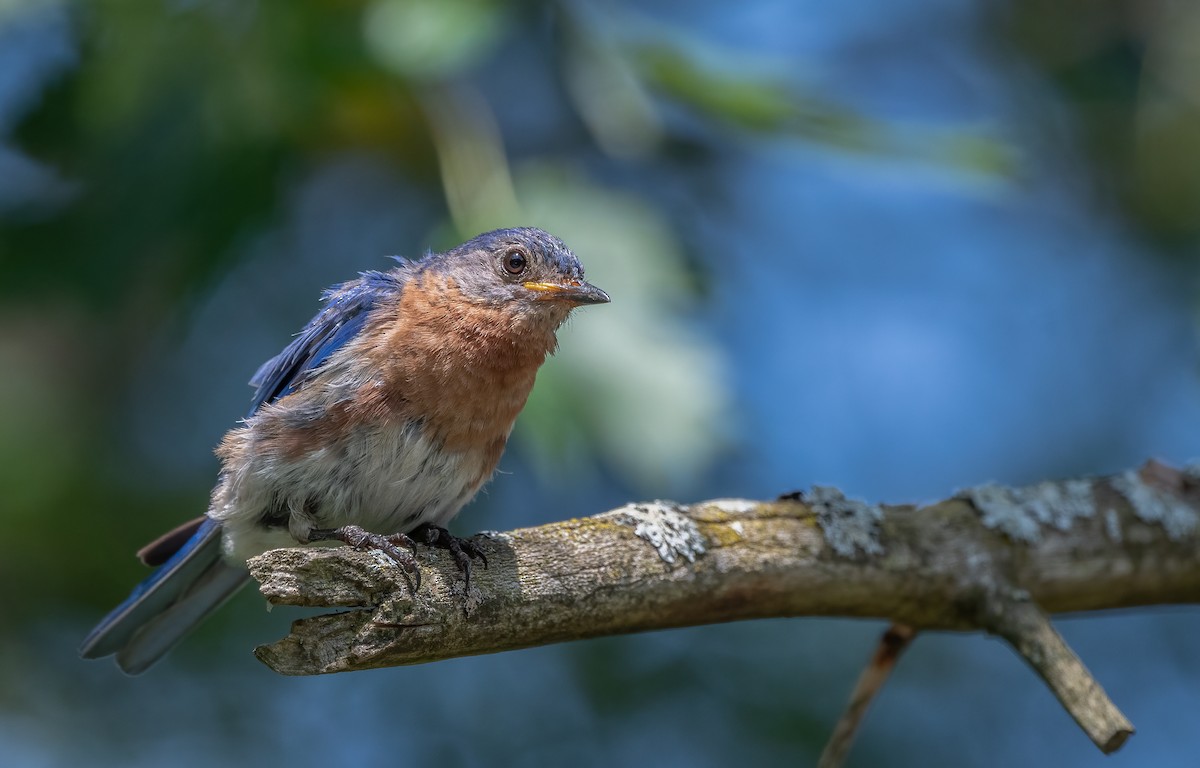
{"x": 526, "y": 271}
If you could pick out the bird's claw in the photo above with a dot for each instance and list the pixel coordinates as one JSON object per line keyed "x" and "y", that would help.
{"x": 361, "y": 539}
{"x": 463, "y": 550}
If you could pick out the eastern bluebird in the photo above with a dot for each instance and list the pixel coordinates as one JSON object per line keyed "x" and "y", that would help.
{"x": 381, "y": 419}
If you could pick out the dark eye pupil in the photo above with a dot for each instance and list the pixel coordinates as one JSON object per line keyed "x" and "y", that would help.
{"x": 514, "y": 262}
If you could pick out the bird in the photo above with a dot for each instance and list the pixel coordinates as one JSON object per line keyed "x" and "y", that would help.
{"x": 381, "y": 419}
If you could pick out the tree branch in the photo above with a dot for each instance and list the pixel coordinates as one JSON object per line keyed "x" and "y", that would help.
{"x": 895, "y": 640}
{"x": 991, "y": 558}
{"x": 1029, "y": 631}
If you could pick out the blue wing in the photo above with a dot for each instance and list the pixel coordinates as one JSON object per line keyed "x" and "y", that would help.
{"x": 194, "y": 580}
{"x": 346, "y": 309}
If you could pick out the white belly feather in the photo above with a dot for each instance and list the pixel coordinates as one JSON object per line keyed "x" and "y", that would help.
{"x": 386, "y": 480}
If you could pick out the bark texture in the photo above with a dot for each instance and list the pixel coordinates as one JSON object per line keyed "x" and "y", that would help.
{"x": 990, "y": 558}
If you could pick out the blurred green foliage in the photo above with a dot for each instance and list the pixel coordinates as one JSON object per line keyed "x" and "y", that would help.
{"x": 1129, "y": 74}
{"x": 183, "y": 130}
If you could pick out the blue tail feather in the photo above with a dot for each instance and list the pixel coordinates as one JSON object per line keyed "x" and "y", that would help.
{"x": 164, "y": 607}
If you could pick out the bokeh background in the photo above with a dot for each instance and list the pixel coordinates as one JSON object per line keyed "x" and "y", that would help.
{"x": 901, "y": 248}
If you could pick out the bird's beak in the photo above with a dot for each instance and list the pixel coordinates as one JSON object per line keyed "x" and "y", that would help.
{"x": 573, "y": 292}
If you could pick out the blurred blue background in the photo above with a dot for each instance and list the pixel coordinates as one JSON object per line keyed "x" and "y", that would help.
{"x": 900, "y": 248}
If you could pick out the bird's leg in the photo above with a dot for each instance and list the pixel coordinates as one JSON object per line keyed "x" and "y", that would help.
{"x": 389, "y": 545}
{"x": 463, "y": 550}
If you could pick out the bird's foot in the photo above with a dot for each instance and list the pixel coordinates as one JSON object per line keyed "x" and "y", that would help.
{"x": 389, "y": 545}
{"x": 463, "y": 550}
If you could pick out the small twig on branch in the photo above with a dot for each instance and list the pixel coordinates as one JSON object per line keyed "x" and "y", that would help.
{"x": 1078, "y": 545}
{"x": 893, "y": 643}
{"x": 1031, "y": 634}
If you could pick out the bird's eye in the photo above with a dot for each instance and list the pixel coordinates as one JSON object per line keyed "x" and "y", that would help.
{"x": 515, "y": 262}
